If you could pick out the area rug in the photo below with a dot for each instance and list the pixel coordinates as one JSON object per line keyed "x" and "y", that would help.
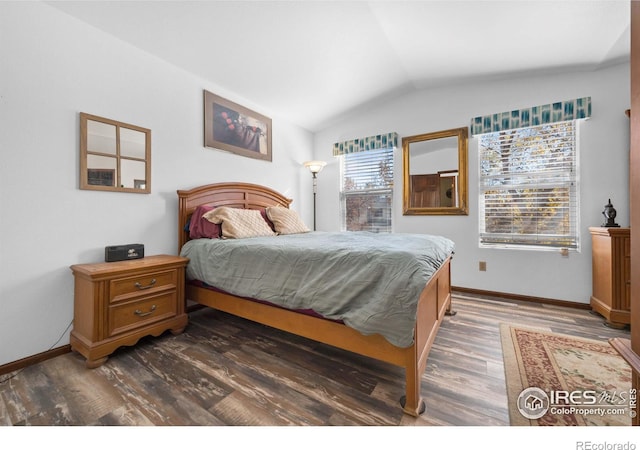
{"x": 555, "y": 379}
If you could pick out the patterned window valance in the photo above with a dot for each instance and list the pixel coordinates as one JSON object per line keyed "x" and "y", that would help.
{"x": 579, "y": 108}
{"x": 365, "y": 144}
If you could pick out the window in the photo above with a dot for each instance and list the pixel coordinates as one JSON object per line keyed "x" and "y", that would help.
{"x": 529, "y": 187}
{"x": 367, "y": 190}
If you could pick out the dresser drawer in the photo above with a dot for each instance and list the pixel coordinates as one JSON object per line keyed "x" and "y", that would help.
{"x": 122, "y": 288}
{"x": 130, "y": 315}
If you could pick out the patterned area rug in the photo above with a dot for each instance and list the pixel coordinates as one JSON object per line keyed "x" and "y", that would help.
{"x": 554, "y": 379}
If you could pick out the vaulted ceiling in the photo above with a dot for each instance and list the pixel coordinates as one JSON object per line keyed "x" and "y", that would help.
{"x": 312, "y": 61}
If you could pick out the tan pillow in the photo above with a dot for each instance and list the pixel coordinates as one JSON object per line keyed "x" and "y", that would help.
{"x": 239, "y": 223}
{"x": 286, "y": 221}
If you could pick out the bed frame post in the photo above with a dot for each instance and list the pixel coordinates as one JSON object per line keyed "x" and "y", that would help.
{"x": 412, "y": 403}
{"x": 434, "y": 304}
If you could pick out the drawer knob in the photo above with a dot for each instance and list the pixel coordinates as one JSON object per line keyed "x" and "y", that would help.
{"x": 139, "y": 313}
{"x": 141, "y": 287}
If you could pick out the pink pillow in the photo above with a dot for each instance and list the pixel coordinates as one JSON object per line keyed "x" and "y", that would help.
{"x": 263, "y": 213}
{"x": 202, "y": 228}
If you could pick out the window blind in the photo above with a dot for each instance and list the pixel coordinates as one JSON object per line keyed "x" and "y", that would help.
{"x": 367, "y": 190}
{"x": 529, "y": 187}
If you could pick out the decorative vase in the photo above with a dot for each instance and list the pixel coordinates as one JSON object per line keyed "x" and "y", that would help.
{"x": 610, "y": 214}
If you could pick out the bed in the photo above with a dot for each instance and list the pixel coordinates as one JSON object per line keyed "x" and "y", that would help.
{"x": 433, "y": 300}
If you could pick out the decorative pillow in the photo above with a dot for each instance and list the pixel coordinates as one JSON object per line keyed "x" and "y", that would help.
{"x": 199, "y": 227}
{"x": 239, "y": 223}
{"x": 263, "y": 212}
{"x": 286, "y": 221}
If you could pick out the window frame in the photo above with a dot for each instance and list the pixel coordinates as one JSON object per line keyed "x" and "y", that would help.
{"x": 564, "y": 180}
{"x": 388, "y": 156}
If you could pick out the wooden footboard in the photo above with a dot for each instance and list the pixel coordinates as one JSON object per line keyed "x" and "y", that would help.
{"x": 434, "y": 302}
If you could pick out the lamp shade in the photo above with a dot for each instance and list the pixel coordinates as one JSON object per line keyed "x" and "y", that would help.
{"x": 315, "y": 166}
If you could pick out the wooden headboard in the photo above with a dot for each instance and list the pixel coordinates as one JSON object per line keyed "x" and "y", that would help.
{"x": 234, "y": 195}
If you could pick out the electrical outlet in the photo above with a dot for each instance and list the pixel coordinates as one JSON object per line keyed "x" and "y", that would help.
{"x": 482, "y": 266}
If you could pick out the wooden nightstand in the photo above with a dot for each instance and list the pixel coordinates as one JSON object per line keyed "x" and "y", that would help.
{"x": 117, "y": 303}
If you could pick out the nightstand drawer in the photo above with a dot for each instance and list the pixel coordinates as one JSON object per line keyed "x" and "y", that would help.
{"x": 121, "y": 288}
{"x": 131, "y": 315}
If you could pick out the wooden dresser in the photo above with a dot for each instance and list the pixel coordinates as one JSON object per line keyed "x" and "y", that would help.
{"x": 117, "y": 303}
{"x": 611, "y": 255}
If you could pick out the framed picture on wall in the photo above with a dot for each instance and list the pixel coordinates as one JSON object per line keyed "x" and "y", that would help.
{"x": 236, "y": 129}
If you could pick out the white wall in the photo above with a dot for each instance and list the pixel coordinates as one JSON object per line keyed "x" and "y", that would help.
{"x": 604, "y": 166}
{"x": 54, "y": 67}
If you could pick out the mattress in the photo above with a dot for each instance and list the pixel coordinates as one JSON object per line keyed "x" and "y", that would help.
{"x": 370, "y": 281}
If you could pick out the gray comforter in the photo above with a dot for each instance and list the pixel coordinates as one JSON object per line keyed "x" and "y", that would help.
{"x": 370, "y": 281}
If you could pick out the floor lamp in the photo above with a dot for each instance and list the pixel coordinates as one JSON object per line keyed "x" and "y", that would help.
{"x": 315, "y": 167}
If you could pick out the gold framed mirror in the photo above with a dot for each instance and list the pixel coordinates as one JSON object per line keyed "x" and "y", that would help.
{"x": 435, "y": 173}
{"x": 114, "y": 156}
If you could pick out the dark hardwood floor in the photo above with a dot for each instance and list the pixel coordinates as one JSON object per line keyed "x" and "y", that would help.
{"x": 228, "y": 371}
